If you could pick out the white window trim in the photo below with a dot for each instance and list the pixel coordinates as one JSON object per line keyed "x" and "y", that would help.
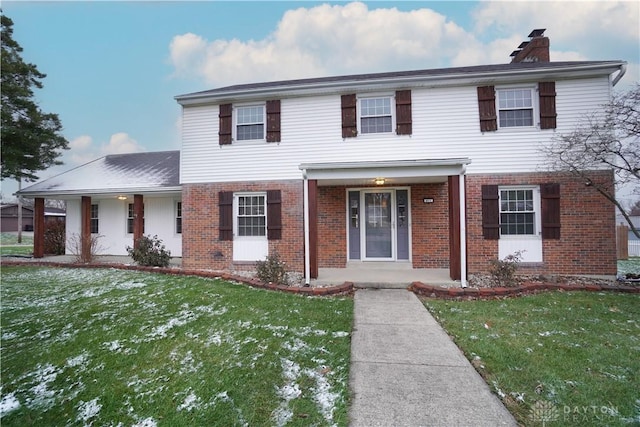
{"x": 236, "y": 197}
{"x": 175, "y": 217}
{"x": 97, "y": 218}
{"x": 127, "y": 218}
{"x": 234, "y": 129}
{"x": 392, "y": 99}
{"x": 537, "y": 212}
{"x": 534, "y": 105}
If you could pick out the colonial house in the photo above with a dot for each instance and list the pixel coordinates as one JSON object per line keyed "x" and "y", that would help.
{"x": 437, "y": 168}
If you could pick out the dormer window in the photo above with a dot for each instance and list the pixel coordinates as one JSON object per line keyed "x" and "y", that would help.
{"x": 250, "y": 123}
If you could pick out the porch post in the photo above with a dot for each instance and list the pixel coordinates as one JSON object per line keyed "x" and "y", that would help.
{"x": 138, "y": 217}
{"x": 307, "y": 252}
{"x": 313, "y": 227}
{"x": 85, "y": 229}
{"x": 463, "y": 231}
{"x": 454, "y": 226}
{"x": 38, "y": 227}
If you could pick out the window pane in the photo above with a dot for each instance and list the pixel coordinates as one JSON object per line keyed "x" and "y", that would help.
{"x": 512, "y": 118}
{"x": 376, "y": 125}
{"x": 247, "y": 132}
{"x": 251, "y": 217}
{"x": 516, "y": 107}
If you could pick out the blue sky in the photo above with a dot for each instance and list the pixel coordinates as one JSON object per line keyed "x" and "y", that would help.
{"x": 113, "y": 68}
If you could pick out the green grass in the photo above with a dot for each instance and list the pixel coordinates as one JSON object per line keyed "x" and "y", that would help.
{"x": 565, "y": 358}
{"x": 9, "y": 244}
{"x": 111, "y": 347}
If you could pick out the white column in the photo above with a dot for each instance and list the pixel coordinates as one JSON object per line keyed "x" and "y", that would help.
{"x": 463, "y": 233}
{"x": 307, "y": 256}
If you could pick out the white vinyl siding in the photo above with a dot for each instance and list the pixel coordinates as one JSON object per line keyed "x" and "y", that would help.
{"x": 445, "y": 125}
{"x": 113, "y": 240}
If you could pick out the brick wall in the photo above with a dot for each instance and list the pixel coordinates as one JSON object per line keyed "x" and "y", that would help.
{"x": 201, "y": 247}
{"x": 587, "y": 244}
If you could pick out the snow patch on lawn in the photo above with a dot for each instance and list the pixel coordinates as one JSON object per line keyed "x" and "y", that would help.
{"x": 8, "y": 403}
{"x": 88, "y": 410}
{"x": 184, "y": 317}
{"x": 190, "y": 402}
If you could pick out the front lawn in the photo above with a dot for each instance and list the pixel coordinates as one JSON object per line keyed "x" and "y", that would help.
{"x": 121, "y": 348}
{"x": 555, "y": 359}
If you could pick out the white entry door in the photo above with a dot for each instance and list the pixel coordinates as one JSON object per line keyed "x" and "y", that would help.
{"x": 250, "y": 227}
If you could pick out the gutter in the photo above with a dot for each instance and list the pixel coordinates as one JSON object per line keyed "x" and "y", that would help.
{"x": 111, "y": 191}
{"x": 621, "y": 73}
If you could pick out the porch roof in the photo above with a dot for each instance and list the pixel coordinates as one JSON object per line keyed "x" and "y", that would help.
{"x": 134, "y": 173}
{"x": 394, "y": 172}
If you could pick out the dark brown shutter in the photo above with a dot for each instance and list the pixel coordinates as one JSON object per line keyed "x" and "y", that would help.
{"x": 403, "y": 112}
{"x": 490, "y": 212}
{"x": 487, "y": 108}
{"x": 225, "y": 204}
{"x": 547, "y": 94}
{"x": 273, "y": 121}
{"x": 550, "y": 204}
{"x": 274, "y": 215}
{"x": 224, "y": 133}
{"x": 349, "y": 117}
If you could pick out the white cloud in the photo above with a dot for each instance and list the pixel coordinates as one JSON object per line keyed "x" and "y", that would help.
{"x": 80, "y": 143}
{"x": 323, "y": 40}
{"x": 121, "y": 143}
{"x": 598, "y": 29}
{"x": 352, "y": 38}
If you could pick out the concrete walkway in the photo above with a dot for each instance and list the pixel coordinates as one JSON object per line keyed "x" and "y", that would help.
{"x": 406, "y": 371}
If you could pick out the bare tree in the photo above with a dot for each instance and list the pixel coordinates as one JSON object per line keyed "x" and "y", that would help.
{"x": 608, "y": 139}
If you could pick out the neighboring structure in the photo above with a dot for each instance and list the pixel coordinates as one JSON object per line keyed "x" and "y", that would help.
{"x": 9, "y": 219}
{"x": 431, "y": 168}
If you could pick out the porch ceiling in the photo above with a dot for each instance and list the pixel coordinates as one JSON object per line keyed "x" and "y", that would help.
{"x": 394, "y": 172}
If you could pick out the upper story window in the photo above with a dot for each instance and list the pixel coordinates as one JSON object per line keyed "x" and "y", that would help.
{"x": 376, "y": 115}
{"x": 515, "y": 107}
{"x": 250, "y": 122}
{"x": 519, "y": 211}
{"x": 94, "y": 219}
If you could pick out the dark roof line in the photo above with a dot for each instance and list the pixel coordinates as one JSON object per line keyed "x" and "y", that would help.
{"x": 395, "y": 74}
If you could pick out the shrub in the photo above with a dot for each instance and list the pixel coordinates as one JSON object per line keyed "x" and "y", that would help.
{"x": 149, "y": 251}
{"x": 503, "y": 271}
{"x": 75, "y": 247}
{"x": 54, "y": 237}
{"x": 272, "y": 270}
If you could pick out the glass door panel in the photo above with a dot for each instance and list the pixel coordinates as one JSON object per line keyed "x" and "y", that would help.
{"x": 378, "y": 225}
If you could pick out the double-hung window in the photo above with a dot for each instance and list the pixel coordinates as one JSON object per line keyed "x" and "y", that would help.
{"x": 376, "y": 115}
{"x": 250, "y": 122}
{"x": 94, "y": 219}
{"x": 252, "y": 220}
{"x": 518, "y": 212}
{"x": 515, "y": 107}
{"x": 178, "y": 217}
{"x": 131, "y": 216}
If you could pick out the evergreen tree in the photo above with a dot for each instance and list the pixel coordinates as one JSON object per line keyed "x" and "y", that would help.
{"x": 31, "y": 139}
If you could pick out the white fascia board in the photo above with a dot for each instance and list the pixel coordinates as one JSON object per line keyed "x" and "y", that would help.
{"x": 63, "y": 194}
{"x": 384, "y": 83}
{"x": 385, "y": 169}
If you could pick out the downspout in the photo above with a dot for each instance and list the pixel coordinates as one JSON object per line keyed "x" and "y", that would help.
{"x": 307, "y": 256}
{"x": 621, "y": 73}
{"x": 463, "y": 231}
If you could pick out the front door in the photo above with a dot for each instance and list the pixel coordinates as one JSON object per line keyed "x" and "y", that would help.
{"x": 378, "y": 227}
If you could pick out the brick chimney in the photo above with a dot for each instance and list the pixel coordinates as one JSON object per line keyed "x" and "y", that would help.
{"x": 534, "y": 50}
